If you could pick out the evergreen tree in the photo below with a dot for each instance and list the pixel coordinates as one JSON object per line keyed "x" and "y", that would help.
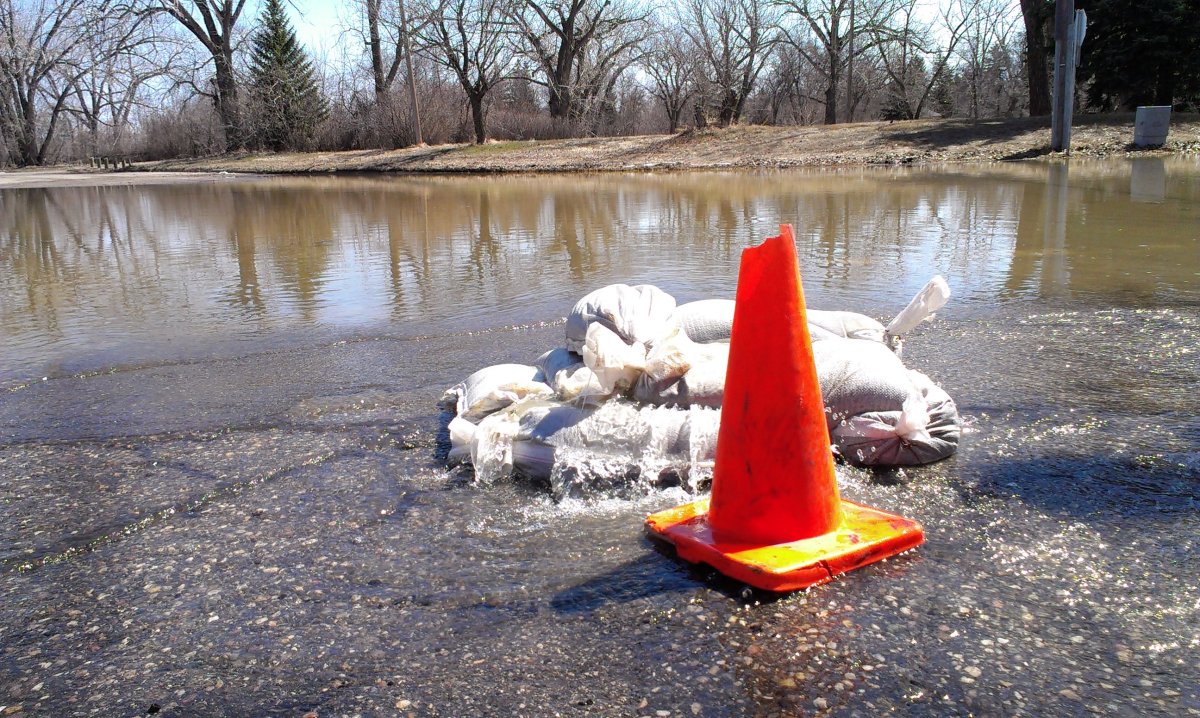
{"x": 1142, "y": 52}
{"x": 943, "y": 94}
{"x": 288, "y": 104}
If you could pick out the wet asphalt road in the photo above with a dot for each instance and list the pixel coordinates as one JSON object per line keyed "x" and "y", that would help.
{"x": 201, "y": 538}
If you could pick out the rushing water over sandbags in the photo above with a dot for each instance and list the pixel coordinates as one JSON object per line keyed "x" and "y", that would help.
{"x": 635, "y": 395}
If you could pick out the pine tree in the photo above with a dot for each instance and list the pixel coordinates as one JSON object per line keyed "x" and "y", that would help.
{"x": 288, "y": 104}
{"x": 1142, "y": 53}
{"x": 943, "y": 95}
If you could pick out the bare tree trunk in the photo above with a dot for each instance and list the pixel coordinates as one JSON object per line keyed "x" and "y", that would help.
{"x": 1035, "y": 58}
{"x": 226, "y": 101}
{"x": 850, "y": 69}
{"x": 560, "y": 98}
{"x": 213, "y": 23}
{"x": 376, "y": 48}
{"x": 557, "y": 35}
{"x": 477, "y": 117}
{"x": 27, "y": 143}
{"x": 831, "y": 90}
{"x": 412, "y": 77}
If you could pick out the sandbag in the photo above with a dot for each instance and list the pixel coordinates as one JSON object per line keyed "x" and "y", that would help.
{"x": 537, "y": 438}
{"x": 858, "y": 376}
{"x": 554, "y": 361}
{"x": 703, "y": 384}
{"x": 488, "y": 445}
{"x": 932, "y": 297}
{"x": 706, "y": 320}
{"x": 870, "y": 439}
{"x": 711, "y": 320}
{"x": 492, "y": 388}
{"x": 843, "y": 325}
{"x": 616, "y": 365}
{"x": 878, "y": 411}
{"x": 642, "y": 313}
{"x": 578, "y": 449}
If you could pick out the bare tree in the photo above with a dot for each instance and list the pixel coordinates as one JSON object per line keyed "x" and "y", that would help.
{"x": 471, "y": 38}
{"x": 43, "y": 56}
{"x": 214, "y": 24}
{"x": 912, "y": 58}
{"x": 383, "y": 25}
{"x": 669, "y": 63}
{"x": 127, "y": 55}
{"x": 557, "y": 34}
{"x": 840, "y": 30}
{"x": 985, "y": 36}
{"x": 600, "y": 67}
{"x": 733, "y": 39}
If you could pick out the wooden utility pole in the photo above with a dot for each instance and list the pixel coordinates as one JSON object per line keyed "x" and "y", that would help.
{"x": 412, "y": 78}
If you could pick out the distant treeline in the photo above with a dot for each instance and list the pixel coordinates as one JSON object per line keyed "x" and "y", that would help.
{"x": 170, "y": 78}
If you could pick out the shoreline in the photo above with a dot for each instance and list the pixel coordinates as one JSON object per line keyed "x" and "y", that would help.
{"x": 750, "y": 147}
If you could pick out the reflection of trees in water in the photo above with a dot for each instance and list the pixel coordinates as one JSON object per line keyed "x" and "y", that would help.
{"x": 1084, "y": 229}
{"x": 433, "y": 248}
{"x": 296, "y": 232}
{"x": 248, "y": 293}
{"x": 67, "y": 249}
{"x": 437, "y": 243}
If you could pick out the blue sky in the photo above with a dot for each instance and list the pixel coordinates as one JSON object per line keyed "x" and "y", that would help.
{"x": 316, "y": 22}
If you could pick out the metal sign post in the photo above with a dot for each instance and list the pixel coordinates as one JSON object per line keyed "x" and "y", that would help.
{"x": 1069, "y": 28}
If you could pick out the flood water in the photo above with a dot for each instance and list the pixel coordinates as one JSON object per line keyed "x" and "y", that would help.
{"x": 222, "y": 486}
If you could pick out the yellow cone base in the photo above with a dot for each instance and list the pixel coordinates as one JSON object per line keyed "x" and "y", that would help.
{"x": 866, "y": 535}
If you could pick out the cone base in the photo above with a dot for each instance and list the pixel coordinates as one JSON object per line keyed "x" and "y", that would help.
{"x": 866, "y": 535}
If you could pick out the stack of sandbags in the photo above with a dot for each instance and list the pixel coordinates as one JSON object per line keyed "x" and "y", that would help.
{"x": 637, "y": 377}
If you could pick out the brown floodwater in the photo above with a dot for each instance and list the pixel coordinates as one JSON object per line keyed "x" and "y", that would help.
{"x": 101, "y": 275}
{"x": 222, "y": 477}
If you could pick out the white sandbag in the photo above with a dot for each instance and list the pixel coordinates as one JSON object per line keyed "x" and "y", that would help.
{"x": 617, "y": 365}
{"x": 844, "y": 325}
{"x": 670, "y": 358}
{"x": 494, "y": 387}
{"x": 580, "y": 385}
{"x": 711, "y": 320}
{"x": 702, "y": 385}
{"x": 462, "y": 435}
{"x": 858, "y": 376}
{"x": 707, "y": 320}
{"x": 555, "y": 439}
{"x": 571, "y": 379}
{"x": 639, "y": 314}
{"x": 871, "y": 439}
{"x": 492, "y": 446}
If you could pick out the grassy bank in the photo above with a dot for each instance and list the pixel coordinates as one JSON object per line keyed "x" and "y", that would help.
{"x": 864, "y": 143}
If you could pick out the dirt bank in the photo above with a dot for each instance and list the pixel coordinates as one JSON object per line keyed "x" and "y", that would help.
{"x": 917, "y": 141}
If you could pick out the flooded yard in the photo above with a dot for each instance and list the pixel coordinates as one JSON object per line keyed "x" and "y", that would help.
{"x": 223, "y": 488}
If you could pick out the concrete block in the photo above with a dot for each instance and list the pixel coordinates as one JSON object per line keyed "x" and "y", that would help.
{"x": 1151, "y": 125}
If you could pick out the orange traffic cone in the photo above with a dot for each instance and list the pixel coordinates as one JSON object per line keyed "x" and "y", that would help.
{"x": 775, "y": 520}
